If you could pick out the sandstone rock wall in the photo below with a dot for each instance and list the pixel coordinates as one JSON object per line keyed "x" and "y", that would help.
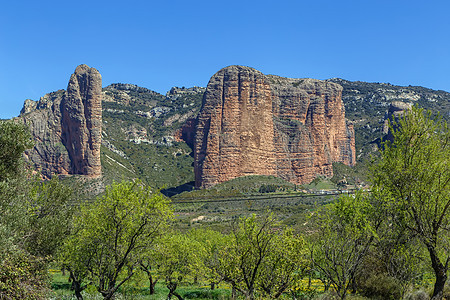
{"x": 66, "y": 126}
{"x": 234, "y": 134}
{"x": 256, "y": 124}
{"x": 49, "y": 154}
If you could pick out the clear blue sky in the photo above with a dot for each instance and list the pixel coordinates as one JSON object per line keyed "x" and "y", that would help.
{"x": 160, "y": 44}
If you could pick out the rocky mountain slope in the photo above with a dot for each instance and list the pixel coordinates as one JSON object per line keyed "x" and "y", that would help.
{"x": 367, "y": 104}
{"x": 148, "y": 135}
{"x": 142, "y": 136}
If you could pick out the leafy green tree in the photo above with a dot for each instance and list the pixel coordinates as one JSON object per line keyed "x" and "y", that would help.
{"x": 15, "y": 138}
{"x": 261, "y": 256}
{"x": 22, "y": 275}
{"x": 111, "y": 234}
{"x": 394, "y": 257}
{"x": 50, "y": 215}
{"x": 210, "y": 249}
{"x": 344, "y": 236}
{"x": 178, "y": 256}
{"x": 148, "y": 265}
{"x": 411, "y": 180}
{"x": 14, "y": 183}
{"x": 285, "y": 262}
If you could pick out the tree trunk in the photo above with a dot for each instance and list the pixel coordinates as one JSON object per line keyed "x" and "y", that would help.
{"x": 108, "y": 295}
{"x": 440, "y": 271}
{"x": 233, "y": 293}
{"x": 78, "y": 295}
{"x": 76, "y": 285}
{"x": 152, "y": 284}
{"x": 250, "y": 295}
{"x": 213, "y": 285}
{"x": 309, "y": 279}
{"x": 172, "y": 287}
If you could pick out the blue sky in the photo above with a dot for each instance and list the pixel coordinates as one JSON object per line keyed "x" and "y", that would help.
{"x": 160, "y": 44}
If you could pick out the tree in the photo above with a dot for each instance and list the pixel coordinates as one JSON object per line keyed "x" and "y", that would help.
{"x": 15, "y": 138}
{"x": 14, "y": 183}
{"x": 22, "y": 275}
{"x": 178, "y": 256}
{"x": 261, "y": 256}
{"x": 148, "y": 265}
{"x": 210, "y": 249}
{"x": 345, "y": 233}
{"x": 411, "y": 180}
{"x": 111, "y": 234}
{"x": 50, "y": 213}
{"x": 285, "y": 262}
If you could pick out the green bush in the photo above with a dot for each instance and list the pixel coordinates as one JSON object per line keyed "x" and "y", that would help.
{"x": 268, "y": 188}
{"x": 381, "y": 286}
{"x": 205, "y": 294}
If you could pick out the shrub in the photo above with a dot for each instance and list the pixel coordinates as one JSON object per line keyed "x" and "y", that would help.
{"x": 381, "y": 287}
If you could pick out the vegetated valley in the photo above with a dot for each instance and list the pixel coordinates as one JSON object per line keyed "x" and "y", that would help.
{"x": 253, "y": 237}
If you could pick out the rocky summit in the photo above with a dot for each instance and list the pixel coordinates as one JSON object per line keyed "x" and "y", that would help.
{"x": 67, "y": 126}
{"x": 256, "y": 124}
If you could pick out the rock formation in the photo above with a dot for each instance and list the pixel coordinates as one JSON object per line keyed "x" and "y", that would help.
{"x": 66, "y": 126}
{"x": 395, "y": 111}
{"x": 256, "y": 124}
{"x": 82, "y": 120}
{"x": 186, "y": 133}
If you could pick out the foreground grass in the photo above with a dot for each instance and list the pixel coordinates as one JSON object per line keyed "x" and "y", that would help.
{"x": 136, "y": 290}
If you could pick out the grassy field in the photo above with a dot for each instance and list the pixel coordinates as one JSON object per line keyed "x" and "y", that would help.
{"x": 137, "y": 289}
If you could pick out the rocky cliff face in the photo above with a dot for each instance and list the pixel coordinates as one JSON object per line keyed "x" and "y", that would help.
{"x": 235, "y": 127}
{"x": 256, "y": 124}
{"x": 395, "y": 112}
{"x": 66, "y": 126}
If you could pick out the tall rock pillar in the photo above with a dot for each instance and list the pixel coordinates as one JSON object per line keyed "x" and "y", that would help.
{"x": 82, "y": 121}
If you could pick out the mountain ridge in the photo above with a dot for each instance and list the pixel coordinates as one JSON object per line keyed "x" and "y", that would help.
{"x": 142, "y": 130}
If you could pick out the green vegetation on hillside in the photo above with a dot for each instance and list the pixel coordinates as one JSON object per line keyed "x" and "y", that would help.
{"x": 138, "y": 126}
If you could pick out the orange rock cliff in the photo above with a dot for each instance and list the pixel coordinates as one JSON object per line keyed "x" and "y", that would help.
{"x": 66, "y": 127}
{"x": 256, "y": 124}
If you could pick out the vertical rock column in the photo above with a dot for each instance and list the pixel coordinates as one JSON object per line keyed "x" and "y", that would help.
{"x": 82, "y": 121}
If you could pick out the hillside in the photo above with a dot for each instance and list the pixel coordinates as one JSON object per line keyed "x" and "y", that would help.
{"x": 142, "y": 129}
{"x": 139, "y": 133}
{"x": 366, "y": 104}
{"x": 170, "y": 162}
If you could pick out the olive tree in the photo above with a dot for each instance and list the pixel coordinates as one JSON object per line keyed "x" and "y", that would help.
{"x": 412, "y": 181}
{"x": 112, "y": 234}
{"x": 50, "y": 214}
{"x": 15, "y": 138}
